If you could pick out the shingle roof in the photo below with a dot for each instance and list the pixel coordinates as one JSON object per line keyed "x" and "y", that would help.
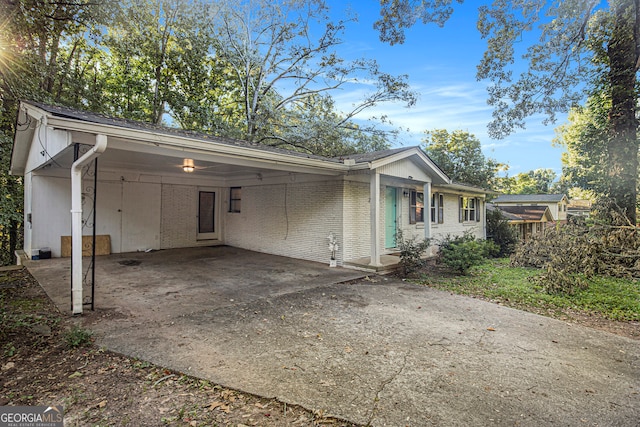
{"x": 529, "y": 198}
{"x": 525, "y": 213}
{"x": 376, "y": 155}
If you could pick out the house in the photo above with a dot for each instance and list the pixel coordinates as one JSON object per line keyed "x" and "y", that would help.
{"x": 557, "y": 203}
{"x": 528, "y": 221}
{"x": 579, "y": 208}
{"x": 152, "y": 187}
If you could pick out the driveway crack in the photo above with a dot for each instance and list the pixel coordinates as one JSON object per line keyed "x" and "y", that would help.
{"x": 376, "y": 400}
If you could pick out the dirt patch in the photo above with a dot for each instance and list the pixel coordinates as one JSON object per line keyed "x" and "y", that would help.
{"x": 97, "y": 387}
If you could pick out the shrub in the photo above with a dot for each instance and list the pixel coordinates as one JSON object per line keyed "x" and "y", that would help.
{"x": 463, "y": 252}
{"x": 411, "y": 253}
{"x": 501, "y": 233}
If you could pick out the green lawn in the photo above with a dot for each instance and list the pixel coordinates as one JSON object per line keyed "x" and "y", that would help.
{"x": 616, "y": 299}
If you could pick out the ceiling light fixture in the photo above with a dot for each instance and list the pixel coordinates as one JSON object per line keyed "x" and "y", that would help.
{"x": 188, "y": 165}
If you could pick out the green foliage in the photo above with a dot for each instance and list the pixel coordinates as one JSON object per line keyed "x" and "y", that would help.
{"x": 78, "y": 337}
{"x": 460, "y": 156}
{"x": 461, "y": 253}
{"x": 411, "y": 252}
{"x": 500, "y": 232}
{"x": 539, "y": 181}
{"x": 497, "y": 280}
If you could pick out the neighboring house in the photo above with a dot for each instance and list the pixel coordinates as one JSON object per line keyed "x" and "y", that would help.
{"x": 528, "y": 221}
{"x": 159, "y": 188}
{"x": 557, "y": 203}
{"x": 579, "y": 208}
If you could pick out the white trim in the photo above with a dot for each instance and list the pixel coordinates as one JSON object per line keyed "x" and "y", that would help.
{"x": 374, "y": 197}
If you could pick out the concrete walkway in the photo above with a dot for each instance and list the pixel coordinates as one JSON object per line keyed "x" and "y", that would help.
{"x": 378, "y": 351}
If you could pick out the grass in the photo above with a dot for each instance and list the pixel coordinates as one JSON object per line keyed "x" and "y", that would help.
{"x": 496, "y": 280}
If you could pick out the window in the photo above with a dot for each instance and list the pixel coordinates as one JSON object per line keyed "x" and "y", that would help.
{"x": 235, "y": 199}
{"x": 416, "y": 207}
{"x": 437, "y": 208}
{"x": 469, "y": 209}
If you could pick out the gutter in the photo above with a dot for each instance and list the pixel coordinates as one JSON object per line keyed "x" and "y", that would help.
{"x": 76, "y": 220}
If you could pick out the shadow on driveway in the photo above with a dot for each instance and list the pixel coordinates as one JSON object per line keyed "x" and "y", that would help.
{"x": 375, "y": 351}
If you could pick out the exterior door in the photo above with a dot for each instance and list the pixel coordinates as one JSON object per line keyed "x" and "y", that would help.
{"x": 207, "y": 215}
{"x": 390, "y": 217}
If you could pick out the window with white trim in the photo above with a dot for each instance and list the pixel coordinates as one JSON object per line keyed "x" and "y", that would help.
{"x": 437, "y": 208}
{"x": 469, "y": 209}
{"x": 416, "y": 207}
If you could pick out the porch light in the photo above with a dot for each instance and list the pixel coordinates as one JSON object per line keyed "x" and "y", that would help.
{"x": 188, "y": 165}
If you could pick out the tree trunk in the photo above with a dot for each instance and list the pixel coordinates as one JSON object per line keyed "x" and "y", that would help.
{"x": 622, "y": 145}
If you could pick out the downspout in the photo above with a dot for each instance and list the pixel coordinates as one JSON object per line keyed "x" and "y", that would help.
{"x": 76, "y": 220}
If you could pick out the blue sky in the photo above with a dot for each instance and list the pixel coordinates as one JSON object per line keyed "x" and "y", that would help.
{"x": 441, "y": 64}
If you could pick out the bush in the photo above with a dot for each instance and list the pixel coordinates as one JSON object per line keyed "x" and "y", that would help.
{"x": 411, "y": 252}
{"x": 462, "y": 253}
{"x": 501, "y": 233}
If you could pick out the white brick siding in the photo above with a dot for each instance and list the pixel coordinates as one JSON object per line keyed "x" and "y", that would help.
{"x": 292, "y": 219}
{"x": 357, "y": 224}
{"x": 452, "y": 225}
{"x": 179, "y": 216}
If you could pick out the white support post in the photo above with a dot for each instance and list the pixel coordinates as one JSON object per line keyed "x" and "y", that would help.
{"x": 76, "y": 220}
{"x": 374, "y": 196}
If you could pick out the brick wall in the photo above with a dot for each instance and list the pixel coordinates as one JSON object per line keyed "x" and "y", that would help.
{"x": 357, "y": 213}
{"x": 179, "y": 216}
{"x": 452, "y": 225}
{"x": 292, "y": 219}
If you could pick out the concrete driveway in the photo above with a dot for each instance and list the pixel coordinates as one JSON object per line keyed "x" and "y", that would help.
{"x": 379, "y": 351}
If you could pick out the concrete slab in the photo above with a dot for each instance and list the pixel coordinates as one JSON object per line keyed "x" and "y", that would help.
{"x": 380, "y": 351}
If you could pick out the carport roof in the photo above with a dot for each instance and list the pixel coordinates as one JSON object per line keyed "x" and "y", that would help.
{"x": 156, "y": 140}
{"x": 90, "y": 117}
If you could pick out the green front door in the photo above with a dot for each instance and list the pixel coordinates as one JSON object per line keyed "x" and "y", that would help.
{"x": 390, "y": 217}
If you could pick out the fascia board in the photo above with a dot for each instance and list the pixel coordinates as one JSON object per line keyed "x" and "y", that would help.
{"x": 466, "y": 189}
{"x": 23, "y": 139}
{"x": 184, "y": 143}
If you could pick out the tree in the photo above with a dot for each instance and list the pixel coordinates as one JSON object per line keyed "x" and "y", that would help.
{"x": 584, "y": 138}
{"x": 41, "y": 43}
{"x": 460, "y": 156}
{"x": 501, "y": 232}
{"x": 560, "y": 65}
{"x": 152, "y": 44}
{"x": 313, "y": 125}
{"x": 538, "y": 181}
{"x": 283, "y": 55}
